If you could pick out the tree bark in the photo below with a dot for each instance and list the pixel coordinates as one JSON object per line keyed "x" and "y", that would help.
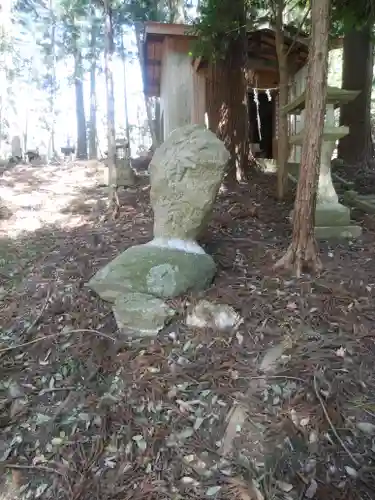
{"x": 157, "y": 122}
{"x": 111, "y": 131}
{"x": 282, "y": 139}
{"x": 148, "y": 104}
{"x": 93, "y": 149}
{"x": 302, "y": 252}
{"x": 1, "y": 124}
{"x": 357, "y": 75}
{"x": 81, "y": 153}
{"x": 26, "y": 132}
{"x": 52, "y": 94}
{"x": 227, "y": 104}
{"x": 176, "y": 11}
{"x": 123, "y": 58}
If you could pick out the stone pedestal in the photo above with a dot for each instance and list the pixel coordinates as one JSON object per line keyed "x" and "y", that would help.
{"x": 124, "y": 175}
{"x": 16, "y": 148}
{"x": 186, "y": 173}
{"x": 332, "y": 219}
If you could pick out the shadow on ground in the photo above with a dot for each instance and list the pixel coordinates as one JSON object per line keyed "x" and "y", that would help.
{"x": 86, "y": 414}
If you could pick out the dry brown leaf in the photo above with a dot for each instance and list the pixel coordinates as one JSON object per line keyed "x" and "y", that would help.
{"x": 235, "y": 419}
{"x": 244, "y": 491}
{"x": 16, "y": 478}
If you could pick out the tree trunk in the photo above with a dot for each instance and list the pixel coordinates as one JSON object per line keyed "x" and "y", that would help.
{"x": 148, "y": 104}
{"x": 111, "y": 131}
{"x": 157, "y": 123}
{"x": 52, "y": 95}
{"x": 93, "y": 150}
{"x": 228, "y": 119}
{"x": 227, "y": 104}
{"x": 123, "y": 58}
{"x": 81, "y": 153}
{"x": 282, "y": 139}
{"x": 26, "y": 132}
{"x": 176, "y": 11}
{"x": 303, "y": 252}
{"x": 1, "y": 125}
{"x": 357, "y": 75}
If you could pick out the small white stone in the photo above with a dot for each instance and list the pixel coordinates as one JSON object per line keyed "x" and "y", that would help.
{"x": 283, "y": 486}
{"x": 350, "y": 471}
{"x": 271, "y": 358}
{"x": 366, "y": 427}
{"x": 312, "y": 489}
{"x": 216, "y": 316}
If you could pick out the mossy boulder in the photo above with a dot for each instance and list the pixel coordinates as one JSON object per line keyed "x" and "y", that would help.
{"x": 160, "y": 272}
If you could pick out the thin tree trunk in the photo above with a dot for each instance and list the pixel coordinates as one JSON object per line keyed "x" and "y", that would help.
{"x": 357, "y": 75}
{"x": 282, "y": 139}
{"x": 177, "y": 13}
{"x": 157, "y": 123}
{"x": 303, "y": 252}
{"x": 52, "y": 95}
{"x": 1, "y": 124}
{"x": 111, "y": 131}
{"x": 93, "y": 150}
{"x": 148, "y": 104}
{"x": 81, "y": 153}
{"x": 25, "y": 132}
{"x": 123, "y": 58}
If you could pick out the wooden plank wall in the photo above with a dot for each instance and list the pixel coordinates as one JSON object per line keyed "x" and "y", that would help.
{"x": 183, "y": 99}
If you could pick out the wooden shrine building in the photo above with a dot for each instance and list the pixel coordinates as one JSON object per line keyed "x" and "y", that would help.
{"x": 180, "y": 80}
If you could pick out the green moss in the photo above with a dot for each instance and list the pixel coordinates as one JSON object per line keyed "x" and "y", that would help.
{"x": 161, "y": 272}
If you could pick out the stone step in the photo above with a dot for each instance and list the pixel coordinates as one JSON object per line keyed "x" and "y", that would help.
{"x": 337, "y": 232}
{"x": 370, "y": 198}
{"x": 366, "y": 203}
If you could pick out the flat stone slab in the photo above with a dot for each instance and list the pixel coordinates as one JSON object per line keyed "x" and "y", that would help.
{"x": 370, "y": 198}
{"x": 337, "y": 232}
{"x": 141, "y": 315}
{"x": 363, "y": 202}
{"x": 332, "y": 215}
{"x": 160, "y": 272}
{"x": 335, "y": 95}
{"x": 330, "y": 134}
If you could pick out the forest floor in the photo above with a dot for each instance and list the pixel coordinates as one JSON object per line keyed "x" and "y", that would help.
{"x": 282, "y": 408}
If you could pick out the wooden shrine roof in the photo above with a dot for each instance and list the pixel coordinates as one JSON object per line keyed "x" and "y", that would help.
{"x": 154, "y": 36}
{"x": 262, "y": 49}
{"x": 261, "y": 45}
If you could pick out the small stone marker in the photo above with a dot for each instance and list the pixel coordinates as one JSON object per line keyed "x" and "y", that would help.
{"x": 16, "y": 148}
{"x": 186, "y": 173}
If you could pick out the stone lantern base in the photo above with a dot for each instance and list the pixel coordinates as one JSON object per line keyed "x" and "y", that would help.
{"x": 333, "y": 221}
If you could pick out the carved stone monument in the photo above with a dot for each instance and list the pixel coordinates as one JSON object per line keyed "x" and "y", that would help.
{"x": 186, "y": 172}
{"x": 16, "y": 149}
